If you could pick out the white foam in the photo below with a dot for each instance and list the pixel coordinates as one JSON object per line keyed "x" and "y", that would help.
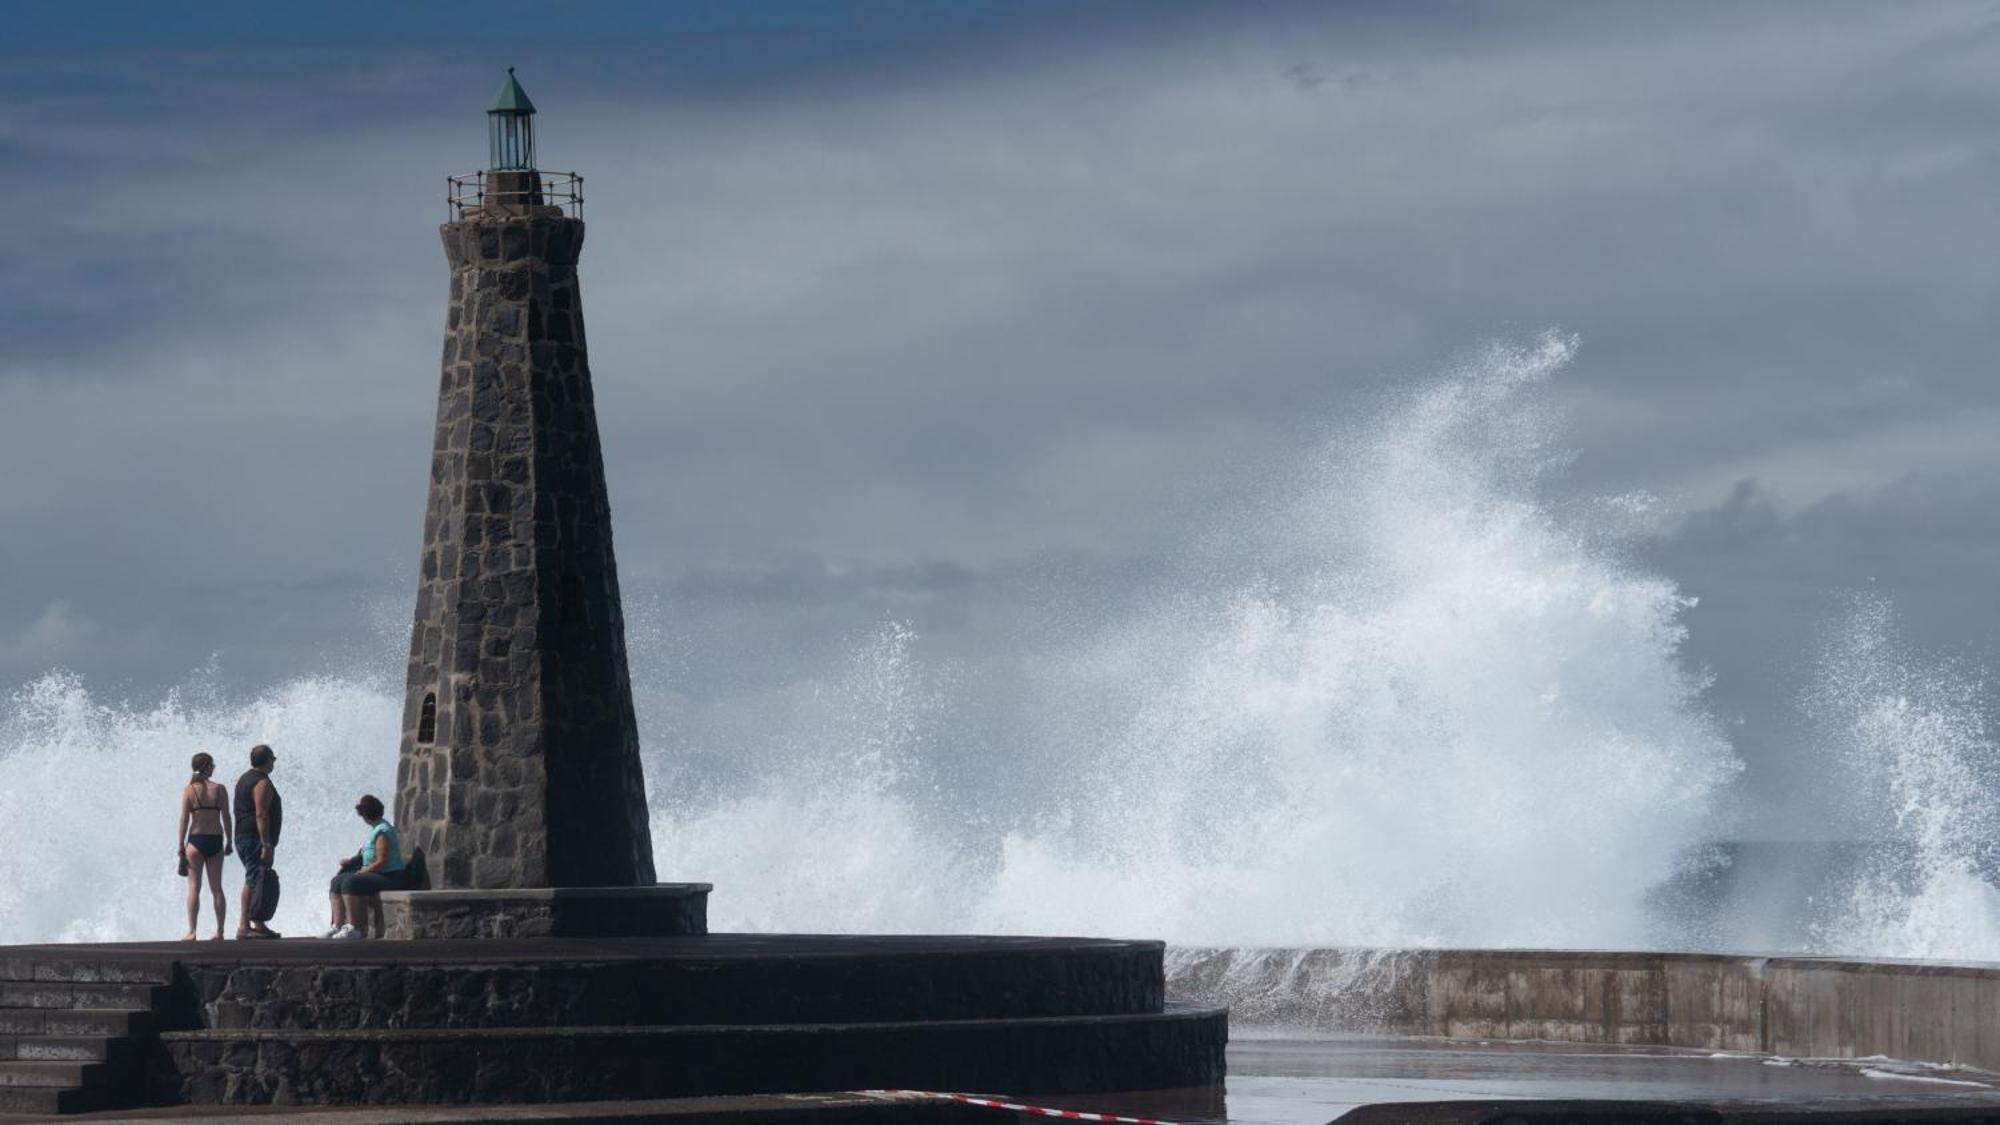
{"x": 1404, "y": 701}
{"x": 92, "y": 793}
{"x": 1909, "y": 729}
{"x": 1401, "y": 698}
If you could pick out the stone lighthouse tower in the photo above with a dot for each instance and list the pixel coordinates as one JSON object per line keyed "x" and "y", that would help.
{"x": 519, "y": 768}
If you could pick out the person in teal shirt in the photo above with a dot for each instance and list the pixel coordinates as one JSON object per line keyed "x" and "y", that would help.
{"x": 356, "y": 893}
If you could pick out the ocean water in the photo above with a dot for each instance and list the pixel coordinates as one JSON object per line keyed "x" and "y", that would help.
{"x": 1409, "y": 693}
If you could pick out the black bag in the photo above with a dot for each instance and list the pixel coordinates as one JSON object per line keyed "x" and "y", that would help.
{"x": 416, "y": 873}
{"x": 264, "y": 896}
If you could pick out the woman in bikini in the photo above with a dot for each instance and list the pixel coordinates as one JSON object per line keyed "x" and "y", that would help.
{"x": 203, "y": 841}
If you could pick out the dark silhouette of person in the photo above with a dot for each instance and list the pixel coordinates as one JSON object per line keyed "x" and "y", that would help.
{"x": 260, "y": 819}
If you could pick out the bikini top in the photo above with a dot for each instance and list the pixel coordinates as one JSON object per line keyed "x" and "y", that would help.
{"x": 207, "y": 807}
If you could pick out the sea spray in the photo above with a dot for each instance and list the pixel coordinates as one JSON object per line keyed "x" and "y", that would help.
{"x": 92, "y": 789}
{"x": 1401, "y": 702}
{"x": 1909, "y": 730}
{"x": 1413, "y": 707}
{"x": 1400, "y": 697}
{"x": 839, "y": 836}
{"x": 1349, "y": 990}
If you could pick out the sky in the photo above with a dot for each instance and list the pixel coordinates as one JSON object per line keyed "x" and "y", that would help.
{"x": 974, "y": 315}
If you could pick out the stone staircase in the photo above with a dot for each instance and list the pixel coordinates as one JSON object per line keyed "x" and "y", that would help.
{"x": 72, "y": 1033}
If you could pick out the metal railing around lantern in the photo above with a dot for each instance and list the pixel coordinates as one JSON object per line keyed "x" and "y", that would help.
{"x": 471, "y": 192}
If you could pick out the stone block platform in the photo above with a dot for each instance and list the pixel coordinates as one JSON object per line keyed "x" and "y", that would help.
{"x": 303, "y": 1022}
{"x": 658, "y": 910}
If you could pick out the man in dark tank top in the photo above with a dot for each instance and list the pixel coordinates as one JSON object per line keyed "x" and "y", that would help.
{"x": 260, "y": 818}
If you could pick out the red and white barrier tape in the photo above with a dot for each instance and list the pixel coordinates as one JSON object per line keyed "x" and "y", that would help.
{"x": 1014, "y": 1107}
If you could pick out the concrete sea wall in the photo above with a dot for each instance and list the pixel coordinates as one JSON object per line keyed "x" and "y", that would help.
{"x": 1804, "y": 1007}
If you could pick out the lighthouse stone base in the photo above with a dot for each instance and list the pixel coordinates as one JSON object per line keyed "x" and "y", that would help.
{"x": 661, "y": 910}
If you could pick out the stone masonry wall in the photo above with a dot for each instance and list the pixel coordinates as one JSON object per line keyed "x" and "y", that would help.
{"x": 531, "y": 777}
{"x": 584, "y": 992}
{"x": 661, "y": 910}
{"x": 425, "y": 1067}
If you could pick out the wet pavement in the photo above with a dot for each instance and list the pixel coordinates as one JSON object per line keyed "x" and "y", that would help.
{"x": 1276, "y": 1079}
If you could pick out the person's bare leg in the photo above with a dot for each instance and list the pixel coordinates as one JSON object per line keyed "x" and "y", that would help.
{"x": 215, "y": 891}
{"x": 359, "y": 909}
{"x": 243, "y": 906}
{"x": 337, "y": 914}
{"x": 193, "y": 859}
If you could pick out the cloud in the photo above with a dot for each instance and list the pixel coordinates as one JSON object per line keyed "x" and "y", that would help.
{"x": 57, "y": 637}
{"x": 984, "y": 329}
{"x": 1777, "y": 582}
{"x": 1908, "y": 533}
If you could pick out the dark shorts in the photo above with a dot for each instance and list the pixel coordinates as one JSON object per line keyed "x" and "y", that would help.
{"x": 250, "y": 850}
{"x": 371, "y": 884}
{"x": 209, "y": 845}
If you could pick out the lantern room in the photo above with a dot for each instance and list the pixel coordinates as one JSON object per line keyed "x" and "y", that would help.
{"x": 510, "y": 128}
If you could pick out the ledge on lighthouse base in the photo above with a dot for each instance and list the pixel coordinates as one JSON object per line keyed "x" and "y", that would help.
{"x": 661, "y": 910}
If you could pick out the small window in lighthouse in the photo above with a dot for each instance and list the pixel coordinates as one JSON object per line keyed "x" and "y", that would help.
{"x": 427, "y": 723}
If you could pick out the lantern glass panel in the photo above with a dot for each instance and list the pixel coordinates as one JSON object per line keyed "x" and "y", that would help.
{"x": 511, "y": 141}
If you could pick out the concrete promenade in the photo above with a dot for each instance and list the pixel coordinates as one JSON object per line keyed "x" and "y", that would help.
{"x": 1800, "y": 1007}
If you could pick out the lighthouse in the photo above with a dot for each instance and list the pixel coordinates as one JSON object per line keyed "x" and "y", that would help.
{"x": 519, "y": 769}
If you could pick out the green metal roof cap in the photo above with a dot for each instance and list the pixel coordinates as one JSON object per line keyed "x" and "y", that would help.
{"x": 511, "y": 98}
